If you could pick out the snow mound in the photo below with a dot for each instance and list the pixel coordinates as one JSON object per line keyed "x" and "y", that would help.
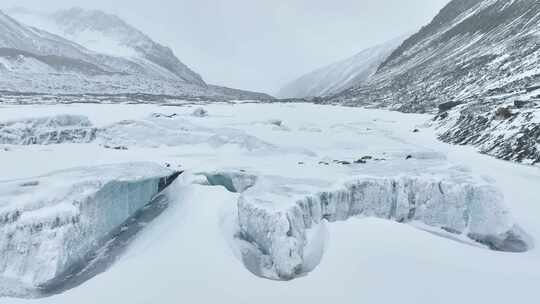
{"x": 47, "y": 130}
{"x": 50, "y": 223}
{"x": 156, "y": 131}
{"x": 277, "y": 214}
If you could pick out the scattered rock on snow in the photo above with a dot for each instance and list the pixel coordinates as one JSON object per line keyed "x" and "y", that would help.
{"x": 276, "y": 122}
{"x": 503, "y": 113}
{"x": 200, "y": 112}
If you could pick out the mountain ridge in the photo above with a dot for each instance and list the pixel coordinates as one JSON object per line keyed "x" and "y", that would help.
{"x": 36, "y": 61}
{"x": 76, "y": 21}
{"x": 341, "y": 75}
{"x": 470, "y": 55}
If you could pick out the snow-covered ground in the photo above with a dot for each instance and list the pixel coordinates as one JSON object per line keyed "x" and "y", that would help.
{"x": 189, "y": 254}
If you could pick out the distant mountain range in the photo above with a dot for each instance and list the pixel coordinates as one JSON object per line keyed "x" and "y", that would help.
{"x": 341, "y": 75}
{"x": 80, "y": 51}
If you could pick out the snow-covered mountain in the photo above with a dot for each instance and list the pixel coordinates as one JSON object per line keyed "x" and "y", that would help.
{"x": 16, "y": 38}
{"x": 471, "y": 49}
{"x": 341, "y": 75}
{"x": 34, "y": 60}
{"x": 478, "y": 63}
{"x": 108, "y": 34}
{"x": 92, "y": 52}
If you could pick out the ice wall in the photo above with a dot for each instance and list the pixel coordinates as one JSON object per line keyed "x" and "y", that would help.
{"x": 279, "y": 229}
{"x": 51, "y": 222}
{"x": 233, "y": 181}
{"x": 47, "y": 130}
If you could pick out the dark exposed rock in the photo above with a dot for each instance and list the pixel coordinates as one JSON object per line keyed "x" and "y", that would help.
{"x": 160, "y": 115}
{"x": 509, "y": 242}
{"x": 30, "y": 184}
{"x": 120, "y": 148}
{"x": 514, "y": 139}
{"x": 200, "y": 112}
{"x": 521, "y": 103}
{"x": 503, "y": 113}
{"x": 447, "y": 106}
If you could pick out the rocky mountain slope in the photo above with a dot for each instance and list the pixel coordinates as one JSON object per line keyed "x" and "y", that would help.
{"x": 341, "y": 75}
{"x": 481, "y": 54}
{"x": 471, "y": 49}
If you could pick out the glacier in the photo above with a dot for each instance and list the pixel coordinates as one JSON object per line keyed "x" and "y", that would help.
{"x": 50, "y": 223}
{"x": 48, "y": 130}
{"x": 277, "y": 214}
{"x": 327, "y": 240}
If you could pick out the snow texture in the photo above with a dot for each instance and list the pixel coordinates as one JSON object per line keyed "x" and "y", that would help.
{"x": 156, "y": 131}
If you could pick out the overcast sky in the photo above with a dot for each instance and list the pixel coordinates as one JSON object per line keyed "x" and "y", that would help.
{"x": 261, "y": 45}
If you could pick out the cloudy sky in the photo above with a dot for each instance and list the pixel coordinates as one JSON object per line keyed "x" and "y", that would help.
{"x": 261, "y": 44}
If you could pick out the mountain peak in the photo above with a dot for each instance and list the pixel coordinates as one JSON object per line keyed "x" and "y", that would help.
{"x": 91, "y": 18}
{"x": 108, "y": 34}
{"x": 102, "y": 32}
